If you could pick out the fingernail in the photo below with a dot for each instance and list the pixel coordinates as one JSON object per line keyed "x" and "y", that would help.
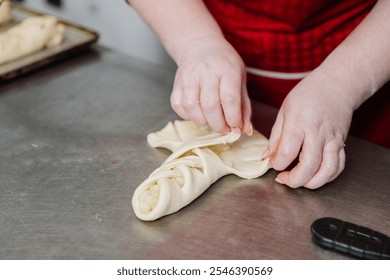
{"x": 265, "y": 154}
{"x": 250, "y": 132}
{"x": 236, "y": 130}
{"x": 277, "y": 179}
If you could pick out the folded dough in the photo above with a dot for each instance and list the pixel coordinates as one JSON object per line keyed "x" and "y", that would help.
{"x": 29, "y": 36}
{"x": 200, "y": 157}
{"x": 5, "y": 12}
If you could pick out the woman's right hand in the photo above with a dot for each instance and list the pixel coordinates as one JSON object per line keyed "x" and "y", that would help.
{"x": 210, "y": 86}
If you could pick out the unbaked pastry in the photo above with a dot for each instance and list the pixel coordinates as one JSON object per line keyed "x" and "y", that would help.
{"x": 5, "y": 12}
{"x": 200, "y": 157}
{"x": 29, "y": 36}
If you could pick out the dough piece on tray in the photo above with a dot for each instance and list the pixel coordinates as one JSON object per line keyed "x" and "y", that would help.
{"x": 29, "y": 36}
{"x": 5, "y": 12}
{"x": 199, "y": 157}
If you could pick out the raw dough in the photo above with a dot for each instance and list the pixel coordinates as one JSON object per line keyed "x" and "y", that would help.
{"x": 29, "y": 36}
{"x": 200, "y": 157}
{"x": 5, "y": 12}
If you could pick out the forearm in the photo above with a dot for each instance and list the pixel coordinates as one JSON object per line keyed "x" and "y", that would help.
{"x": 361, "y": 64}
{"x": 178, "y": 23}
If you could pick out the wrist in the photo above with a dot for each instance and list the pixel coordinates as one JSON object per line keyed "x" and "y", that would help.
{"x": 351, "y": 83}
{"x": 179, "y": 49}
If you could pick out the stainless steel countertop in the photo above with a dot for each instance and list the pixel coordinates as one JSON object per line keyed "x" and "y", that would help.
{"x": 73, "y": 149}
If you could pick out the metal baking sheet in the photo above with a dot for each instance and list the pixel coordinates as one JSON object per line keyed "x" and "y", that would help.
{"x": 76, "y": 39}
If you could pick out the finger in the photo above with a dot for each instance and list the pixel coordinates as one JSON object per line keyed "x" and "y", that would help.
{"x": 246, "y": 111}
{"x": 288, "y": 147}
{"x": 176, "y": 103}
{"x": 341, "y": 167}
{"x": 309, "y": 162}
{"x": 191, "y": 102}
{"x": 230, "y": 93}
{"x": 211, "y": 104}
{"x": 329, "y": 168}
{"x": 276, "y": 132}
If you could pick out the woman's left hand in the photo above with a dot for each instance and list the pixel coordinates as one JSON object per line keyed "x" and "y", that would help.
{"x": 311, "y": 126}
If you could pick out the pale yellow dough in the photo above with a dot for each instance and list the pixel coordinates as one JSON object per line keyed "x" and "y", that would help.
{"x": 29, "y": 36}
{"x": 199, "y": 158}
{"x": 5, "y": 12}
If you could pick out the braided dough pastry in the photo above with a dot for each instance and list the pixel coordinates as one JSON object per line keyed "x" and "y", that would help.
{"x": 5, "y": 12}
{"x": 199, "y": 158}
{"x": 29, "y": 36}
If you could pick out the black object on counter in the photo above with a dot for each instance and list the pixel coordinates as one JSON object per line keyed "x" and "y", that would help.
{"x": 350, "y": 239}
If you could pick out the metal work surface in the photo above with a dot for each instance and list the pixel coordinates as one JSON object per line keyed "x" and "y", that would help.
{"x": 73, "y": 149}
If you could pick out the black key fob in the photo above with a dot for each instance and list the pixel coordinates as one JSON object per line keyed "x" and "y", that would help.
{"x": 350, "y": 239}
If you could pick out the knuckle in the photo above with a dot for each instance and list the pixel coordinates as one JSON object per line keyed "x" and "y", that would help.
{"x": 175, "y": 103}
{"x": 286, "y": 153}
{"x": 330, "y": 170}
{"x": 278, "y": 164}
{"x": 189, "y": 103}
{"x": 210, "y": 105}
{"x": 231, "y": 98}
{"x": 310, "y": 165}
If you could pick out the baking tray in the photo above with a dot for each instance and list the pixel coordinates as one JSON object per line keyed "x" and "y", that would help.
{"x": 76, "y": 39}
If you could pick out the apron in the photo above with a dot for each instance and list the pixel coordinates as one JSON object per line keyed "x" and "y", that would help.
{"x": 281, "y": 41}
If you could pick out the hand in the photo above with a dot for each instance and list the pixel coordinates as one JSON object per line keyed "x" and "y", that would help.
{"x": 312, "y": 125}
{"x": 210, "y": 86}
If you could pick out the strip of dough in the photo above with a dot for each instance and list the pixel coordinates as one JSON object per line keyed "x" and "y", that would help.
{"x": 29, "y": 36}
{"x": 200, "y": 157}
{"x": 5, "y": 12}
